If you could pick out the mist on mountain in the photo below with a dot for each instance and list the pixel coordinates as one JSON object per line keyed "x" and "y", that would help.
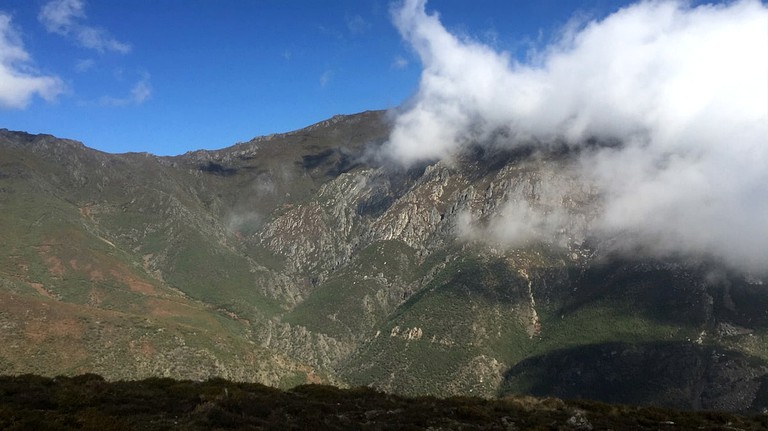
{"x": 681, "y": 88}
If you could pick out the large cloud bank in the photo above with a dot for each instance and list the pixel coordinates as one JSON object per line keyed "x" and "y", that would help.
{"x": 19, "y": 82}
{"x": 684, "y": 89}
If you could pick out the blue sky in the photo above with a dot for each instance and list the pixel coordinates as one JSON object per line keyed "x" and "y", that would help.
{"x": 170, "y": 76}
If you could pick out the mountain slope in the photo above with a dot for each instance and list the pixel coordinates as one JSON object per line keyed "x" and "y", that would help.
{"x": 307, "y": 257}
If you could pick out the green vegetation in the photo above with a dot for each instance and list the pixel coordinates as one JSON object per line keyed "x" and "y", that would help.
{"x": 207, "y": 273}
{"x": 602, "y": 322}
{"x": 365, "y": 284}
{"x": 433, "y": 341}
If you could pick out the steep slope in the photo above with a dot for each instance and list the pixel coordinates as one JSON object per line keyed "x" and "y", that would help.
{"x": 305, "y": 257}
{"x": 130, "y": 272}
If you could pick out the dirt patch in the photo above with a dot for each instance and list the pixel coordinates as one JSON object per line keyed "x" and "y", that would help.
{"x": 86, "y": 211}
{"x": 96, "y": 297}
{"x": 93, "y": 273}
{"x": 137, "y": 285}
{"x": 96, "y": 275}
{"x": 54, "y": 263}
{"x": 97, "y": 267}
{"x": 165, "y": 308}
{"x": 312, "y": 378}
{"x": 142, "y": 347}
{"x": 148, "y": 349}
{"x": 41, "y": 289}
{"x": 146, "y": 259}
{"x": 52, "y": 328}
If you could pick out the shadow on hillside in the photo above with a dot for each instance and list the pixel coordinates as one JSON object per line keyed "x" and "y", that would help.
{"x": 701, "y": 295}
{"x": 670, "y": 374}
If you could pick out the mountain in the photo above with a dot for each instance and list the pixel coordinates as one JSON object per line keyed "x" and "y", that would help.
{"x": 308, "y": 257}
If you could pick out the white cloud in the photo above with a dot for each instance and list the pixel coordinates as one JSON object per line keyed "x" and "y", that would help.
{"x": 84, "y": 65}
{"x": 685, "y": 89}
{"x": 517, "y": 224}
{"x": 399, "y": 63}
{"x": 140, "y": 93}
{"x": 64, "y": 17}
{"x": 19, "y": 82}
{"x": 326, "y": 78}
{"x": 357, "y": 25}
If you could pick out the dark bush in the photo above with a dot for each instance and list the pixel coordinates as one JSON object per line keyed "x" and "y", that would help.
{"x": 88, "y": 402}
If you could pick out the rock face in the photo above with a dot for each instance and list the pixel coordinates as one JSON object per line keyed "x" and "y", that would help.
{"x": 298, "y": 258}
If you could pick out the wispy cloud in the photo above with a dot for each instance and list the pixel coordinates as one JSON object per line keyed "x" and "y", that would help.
{"x": 683, "y": 89}
{"x": 65, "y": 17}
{"x": 399, "y": 63}
{"x": 19, "y": 82}
{"x": 357, "y": 25}
{"x": 326, "y": 78}
{"x": 84, "y": 65}
{"x": 140, "y": 93}
{"x": 330, "y": 32}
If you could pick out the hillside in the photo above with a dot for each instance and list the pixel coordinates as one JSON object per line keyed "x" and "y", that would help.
{"x": 308, "y": 258}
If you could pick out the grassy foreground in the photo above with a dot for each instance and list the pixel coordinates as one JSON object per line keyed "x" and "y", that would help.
{"x": 88, "y": 402}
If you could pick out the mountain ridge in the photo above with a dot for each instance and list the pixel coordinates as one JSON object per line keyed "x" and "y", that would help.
{"x": 299, "y": 257}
